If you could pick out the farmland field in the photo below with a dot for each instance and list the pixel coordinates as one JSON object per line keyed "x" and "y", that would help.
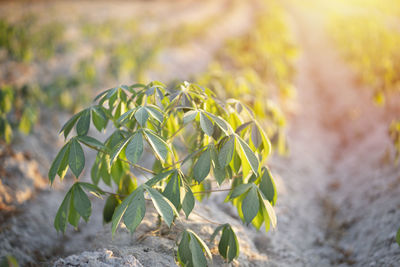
{"x": 200, "y": 133}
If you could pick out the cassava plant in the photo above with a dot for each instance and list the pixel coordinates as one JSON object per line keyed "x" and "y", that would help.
{"x": 197, "y": 142}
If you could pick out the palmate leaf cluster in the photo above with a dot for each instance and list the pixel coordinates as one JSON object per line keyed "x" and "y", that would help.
{"x": 197, "y": 143}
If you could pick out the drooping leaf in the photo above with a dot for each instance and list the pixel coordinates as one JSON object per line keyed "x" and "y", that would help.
{"x": 73, "y": 215}
{"x": 76, "y": 158}
{"x": 233, "y": 245}
{"x": 197, "y": 248}
{"x": 184, "y": 253}
{"x": 268, "y": 213}
{"x": 81, "y": 202}
{"x": 249, "y": 154}
{"x": 189, "y": 116}
{"x": 226, "y": 153}
{"x": 109, "y": 208}
{"x": 99, "y": 118}
{"x": 158, "y": 178}
{"x": 188, "y": 202}
{"x": 134, "y": 149}
{"x": 172, "y": 190}
{"x": 216, "y": 231}
{"x": 162, "y": 205}
{"x": 250, "y": 205}
{"x": 155, "y": 113}
{"x": 60, "y": 221}
{"x": 239, "y": 190}
{"x": 255, "y": 136}
{"x": 119, "y": 148}
{"x": 206, "y": 124}
{"x": 198, "y": 258}
{"x": 141, "y": 116}
{"x": 91, "y": 142}
{"x": 93, "y": 189}
{"x": 158, "y": 144}
{"x": 267, "y": 186}
{"x": 126, "y": 116}
{"x": 82, "y": 127}
{"x": 66, "y": 129}
{"x": 222, "y": 124}
{"x": 120, "y": 211}
{"x": 136, "y": 210}
{"x": 202, "y": 167}
{"x": 55, "y": 166}
{"x": 242, "y": 127}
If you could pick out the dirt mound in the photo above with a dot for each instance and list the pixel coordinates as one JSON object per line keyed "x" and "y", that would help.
{"x": 20, "y": 178}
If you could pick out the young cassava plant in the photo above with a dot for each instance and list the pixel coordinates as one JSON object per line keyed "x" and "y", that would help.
{"x": 197, "y": 143}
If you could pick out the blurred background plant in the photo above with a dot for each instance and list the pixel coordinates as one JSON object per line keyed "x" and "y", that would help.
{"x": 369, "y": 39}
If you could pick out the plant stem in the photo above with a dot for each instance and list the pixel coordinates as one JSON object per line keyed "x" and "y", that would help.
{"x": 212, "y": 190}
{"x": 127, "y": 161}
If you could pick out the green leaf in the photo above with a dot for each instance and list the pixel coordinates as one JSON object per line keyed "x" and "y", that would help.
{"x": 242, "y": 127}
{"x": 216, "y": 231}
{"x": 158, "y": 144}
{"x": 63, "y": 168}
{"x": 266, "y": 144}
{"x": 189, "y": 116}
{"x": 91, "y": 142}
{"x": 55, "y": 166}
{"x": 250, "y": 205}
{"x": 239, "y": 190}
{"x": 202, "y": 243}
{"x": 81, "y": 202}
{"x": 256, "y": 136}
{"x": 202, "y": 167}
{"x": 136, "y": 210}
{"x": 102, "y": 94}
{"x": 249, "y": 154}
{"x": 99, "y": 118}
{"x": 94, "y": 189}
{"x": 226, "y": 153}
{"x": 119, "y": 148}
{"x": 82, "y": 127}
{"x": 158, "y": 178}
{"x": 398, "y": 237}
{"x": 73, "y": 215}
{"x": 267, "y": 186}
{"x": 188, "y": 202}
{"x": 76, "y": 158}
{"x": 109, "y": 208}
{"x": 119, "y": 212}
{"x": 219, "y": 171}
{"x": 206, "y": 124}
{"x": 198, "y": 258}
{"x": 220, "y": 122}
{"x": 134, "y": 149}
{"x": 268, "y": 213}
{"x": 70, "y": 124}
{"x": 60, "y": 221}
{"x": 223, "y": 243}
{"x": 172, "y": 190}
{"x": 233, "y": 245}
{"x": 141, "y": 116}
{"x": 155, "y": 113}
{"x": 125, "y": 116}
{"x": 162, "y": 205}
{"x": 184, "y": 253}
